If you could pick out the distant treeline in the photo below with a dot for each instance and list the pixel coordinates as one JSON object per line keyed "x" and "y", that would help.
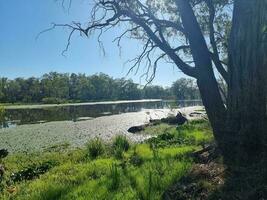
{"x": 63, "y": 87}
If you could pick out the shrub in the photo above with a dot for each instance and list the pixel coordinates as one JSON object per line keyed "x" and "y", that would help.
{"x": 136, "y": 160}
{"x": 166, "y": 136}
{"x": 32, "y": 172}
{"x": 118, "y": 153}
{"x": 53, "y": 100}
{"x": 95, "y": 148}
{"x": 121, "y": 142}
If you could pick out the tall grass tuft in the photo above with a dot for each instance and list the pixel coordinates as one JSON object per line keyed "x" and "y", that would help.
{"x": 114, "y": 177}
{"x": 95, "y": 148}
{"x": 120, "y": 144}
{"x": 136, "y": 159}
{"x": 149, "y": 192}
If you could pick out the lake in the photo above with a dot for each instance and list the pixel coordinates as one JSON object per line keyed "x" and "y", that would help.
{"x": 37, "y": 114}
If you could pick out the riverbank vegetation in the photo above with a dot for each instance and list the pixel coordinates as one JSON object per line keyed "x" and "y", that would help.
{"x": 58, "y": 88}
{"x": 207, "y": 40}
{"x": 115, "y": 170}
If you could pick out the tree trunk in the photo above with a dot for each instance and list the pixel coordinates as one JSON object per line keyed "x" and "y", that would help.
{"x": 248, "y": 82}
{"x": 206, "y": 80}
{"x": 243, "y": 137}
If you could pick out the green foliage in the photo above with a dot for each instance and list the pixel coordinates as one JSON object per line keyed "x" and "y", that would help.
{"x": 32, "y": 172}
{"x": 56, "y": 88}
{"x": 185, "y": 89}
{"x": 2, "y": 112}
{"x": 58, "y": 147}
{"x": 114, "y": 177}
{"x": 193, "y": 133}
{"x": 135, "y": 159}
{"x": 95, "y": 148}
{"x": 53, "y": 100}
{"x": 157, "y": 92}
{"x": 120, "y": 144}
{"x": 157, "y": 129}
{"x": 145, "y": 172}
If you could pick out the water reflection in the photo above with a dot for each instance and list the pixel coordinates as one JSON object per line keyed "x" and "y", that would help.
{"x": 14, "y": 117}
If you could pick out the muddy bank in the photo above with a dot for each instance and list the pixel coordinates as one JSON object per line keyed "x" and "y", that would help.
{"x": 38, "y": 137}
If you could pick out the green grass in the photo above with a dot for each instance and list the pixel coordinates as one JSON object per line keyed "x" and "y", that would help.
{"x": 120, "y": 145}
{"x": 95, "y": 148}
{"x": 143, "y": 171}
{"x": 157, "y": 130}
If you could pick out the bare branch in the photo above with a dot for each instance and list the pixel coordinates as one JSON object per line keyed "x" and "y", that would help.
{"x": 107, "y": 14}
{"x": 215, "y": 55}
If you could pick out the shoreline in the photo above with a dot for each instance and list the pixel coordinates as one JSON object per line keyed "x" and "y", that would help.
{"x": 36, "y": 106}
{"x": 39, "y": 137}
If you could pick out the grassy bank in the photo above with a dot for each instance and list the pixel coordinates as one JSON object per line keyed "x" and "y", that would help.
{"x": 119, "y": 170}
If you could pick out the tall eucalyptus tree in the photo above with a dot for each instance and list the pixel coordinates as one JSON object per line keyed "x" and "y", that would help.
{"x": 204, "y": 39}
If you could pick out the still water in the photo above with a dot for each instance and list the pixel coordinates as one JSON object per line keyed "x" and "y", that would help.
{"x": 14, "y": 117}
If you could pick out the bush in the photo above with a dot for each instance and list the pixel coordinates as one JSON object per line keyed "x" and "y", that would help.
{"x": 118, "y": 153}
{"x": 95, "y": 148}
{"x": 136, "y": 160}
{"x": 53, "y": 100}
{"x": 121, "y": 142}
{"x": 32, "y": 172}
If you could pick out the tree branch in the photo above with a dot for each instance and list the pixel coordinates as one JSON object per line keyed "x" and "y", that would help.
{"x": 188, "y": 70}
{"x": 215, "y": 55}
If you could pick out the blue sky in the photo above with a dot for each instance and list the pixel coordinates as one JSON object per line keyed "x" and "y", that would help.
{"x": 21, "y": 55}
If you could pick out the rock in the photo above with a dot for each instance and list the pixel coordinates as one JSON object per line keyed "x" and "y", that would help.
{"x": 179, "y": 119}
{"x": 3, "y": 153}
{"x": 193, "y": 114}
{"x": 135, "y": 129}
